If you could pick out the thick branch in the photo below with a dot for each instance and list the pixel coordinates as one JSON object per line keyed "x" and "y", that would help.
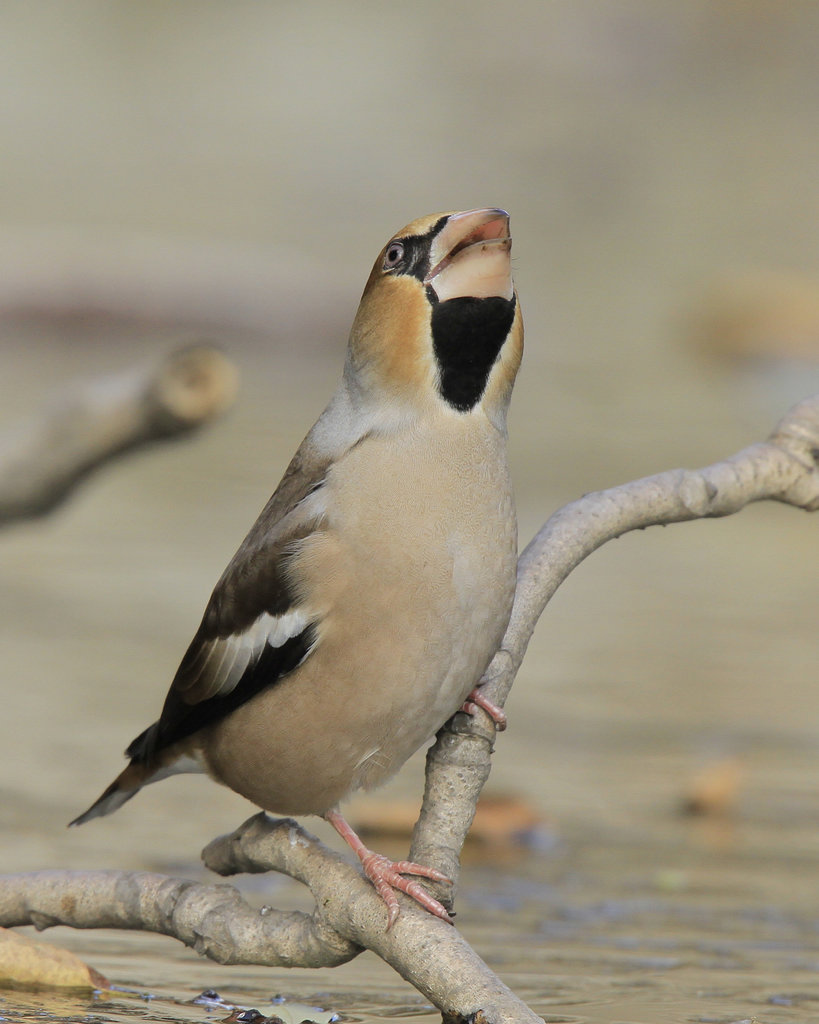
{"x": 212, "y": 919}
{"x": 431, "y": 955}
{"x": 216, "y": 921}
{"x": 41, "y": 462}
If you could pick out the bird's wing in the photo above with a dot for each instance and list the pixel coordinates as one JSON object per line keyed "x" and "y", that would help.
{"x": 255, "y": 628}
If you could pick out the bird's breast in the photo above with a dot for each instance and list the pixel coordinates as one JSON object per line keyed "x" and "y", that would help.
{"x": 418, "y": 559}
{"x": 410, "y": 578}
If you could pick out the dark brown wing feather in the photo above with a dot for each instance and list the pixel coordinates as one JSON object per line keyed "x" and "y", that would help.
{"x": 232, "y": 656}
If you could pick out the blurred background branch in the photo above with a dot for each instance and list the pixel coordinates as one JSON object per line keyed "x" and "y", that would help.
{"x": 93, "y": 421}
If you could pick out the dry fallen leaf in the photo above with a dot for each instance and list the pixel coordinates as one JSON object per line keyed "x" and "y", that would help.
{"x": 714, "y": 790}
{"x": 26, "y": 963}
{"x": 501, "y": 820}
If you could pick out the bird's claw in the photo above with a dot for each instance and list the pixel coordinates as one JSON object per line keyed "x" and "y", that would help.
{"x": 477, "y": 700}
{"x": 387, "y": 875}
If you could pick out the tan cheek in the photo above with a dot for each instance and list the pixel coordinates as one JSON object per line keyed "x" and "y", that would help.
{"x": 391, "y": 334}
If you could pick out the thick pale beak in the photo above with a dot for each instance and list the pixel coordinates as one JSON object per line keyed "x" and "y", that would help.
{"x": 471, "y": 256}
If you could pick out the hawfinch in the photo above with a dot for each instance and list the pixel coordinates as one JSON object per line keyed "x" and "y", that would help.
{"x": 375, "y": 587}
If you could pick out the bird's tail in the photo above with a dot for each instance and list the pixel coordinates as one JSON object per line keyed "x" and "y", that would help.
{"x": 127, "y": 784}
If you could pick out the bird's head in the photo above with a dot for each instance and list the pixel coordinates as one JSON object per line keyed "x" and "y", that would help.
{"x": 439, "y": 321}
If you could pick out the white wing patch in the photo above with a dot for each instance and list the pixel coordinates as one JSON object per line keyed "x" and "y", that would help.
{"x": 220, "y": 664}
{"x": 281, "y": 628}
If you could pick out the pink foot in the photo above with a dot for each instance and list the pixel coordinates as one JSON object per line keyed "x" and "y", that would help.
{"x": 387, "y": 875}
{"x": 477, "y": 700}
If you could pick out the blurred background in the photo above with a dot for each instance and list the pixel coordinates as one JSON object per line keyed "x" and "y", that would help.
{"x": 173, "y": 170}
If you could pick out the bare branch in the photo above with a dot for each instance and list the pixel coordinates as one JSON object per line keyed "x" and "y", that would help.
{"x": 212, "y": 919}
{"x": 428, "y": 953}
{"x": 216, "y": 922}
{"x": 43, "y": 461}
{"x": 348, "y": 915}
{"x": 785, "y": 468}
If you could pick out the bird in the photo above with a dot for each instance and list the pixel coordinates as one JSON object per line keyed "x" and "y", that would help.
{"x": 376, "y": 585}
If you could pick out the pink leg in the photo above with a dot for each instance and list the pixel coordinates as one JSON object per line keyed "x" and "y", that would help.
{"x": 386, "y": 874}
{"x": 477, "y": 699}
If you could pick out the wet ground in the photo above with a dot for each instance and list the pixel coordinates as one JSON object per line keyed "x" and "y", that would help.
{"x": 643, "y": 150}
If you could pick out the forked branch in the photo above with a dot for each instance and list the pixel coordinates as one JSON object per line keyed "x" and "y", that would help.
{"x": 348, "y": 916}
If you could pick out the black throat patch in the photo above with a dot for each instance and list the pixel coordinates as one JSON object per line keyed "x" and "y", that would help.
{"x": 467, "y": 336}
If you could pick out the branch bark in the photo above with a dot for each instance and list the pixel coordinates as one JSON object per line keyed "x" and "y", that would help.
{"x": 43, "y": 461}
{"x": 348, "y": 915}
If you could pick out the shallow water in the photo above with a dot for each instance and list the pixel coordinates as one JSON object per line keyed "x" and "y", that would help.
{"x": 642, "y": 150}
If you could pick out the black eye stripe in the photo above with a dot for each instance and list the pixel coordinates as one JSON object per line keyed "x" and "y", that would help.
{"x": 415, "y": 262}
{"x": 414, "y": 259}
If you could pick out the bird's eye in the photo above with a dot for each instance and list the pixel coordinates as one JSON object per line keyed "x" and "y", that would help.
{"x": 393, "y": 256}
